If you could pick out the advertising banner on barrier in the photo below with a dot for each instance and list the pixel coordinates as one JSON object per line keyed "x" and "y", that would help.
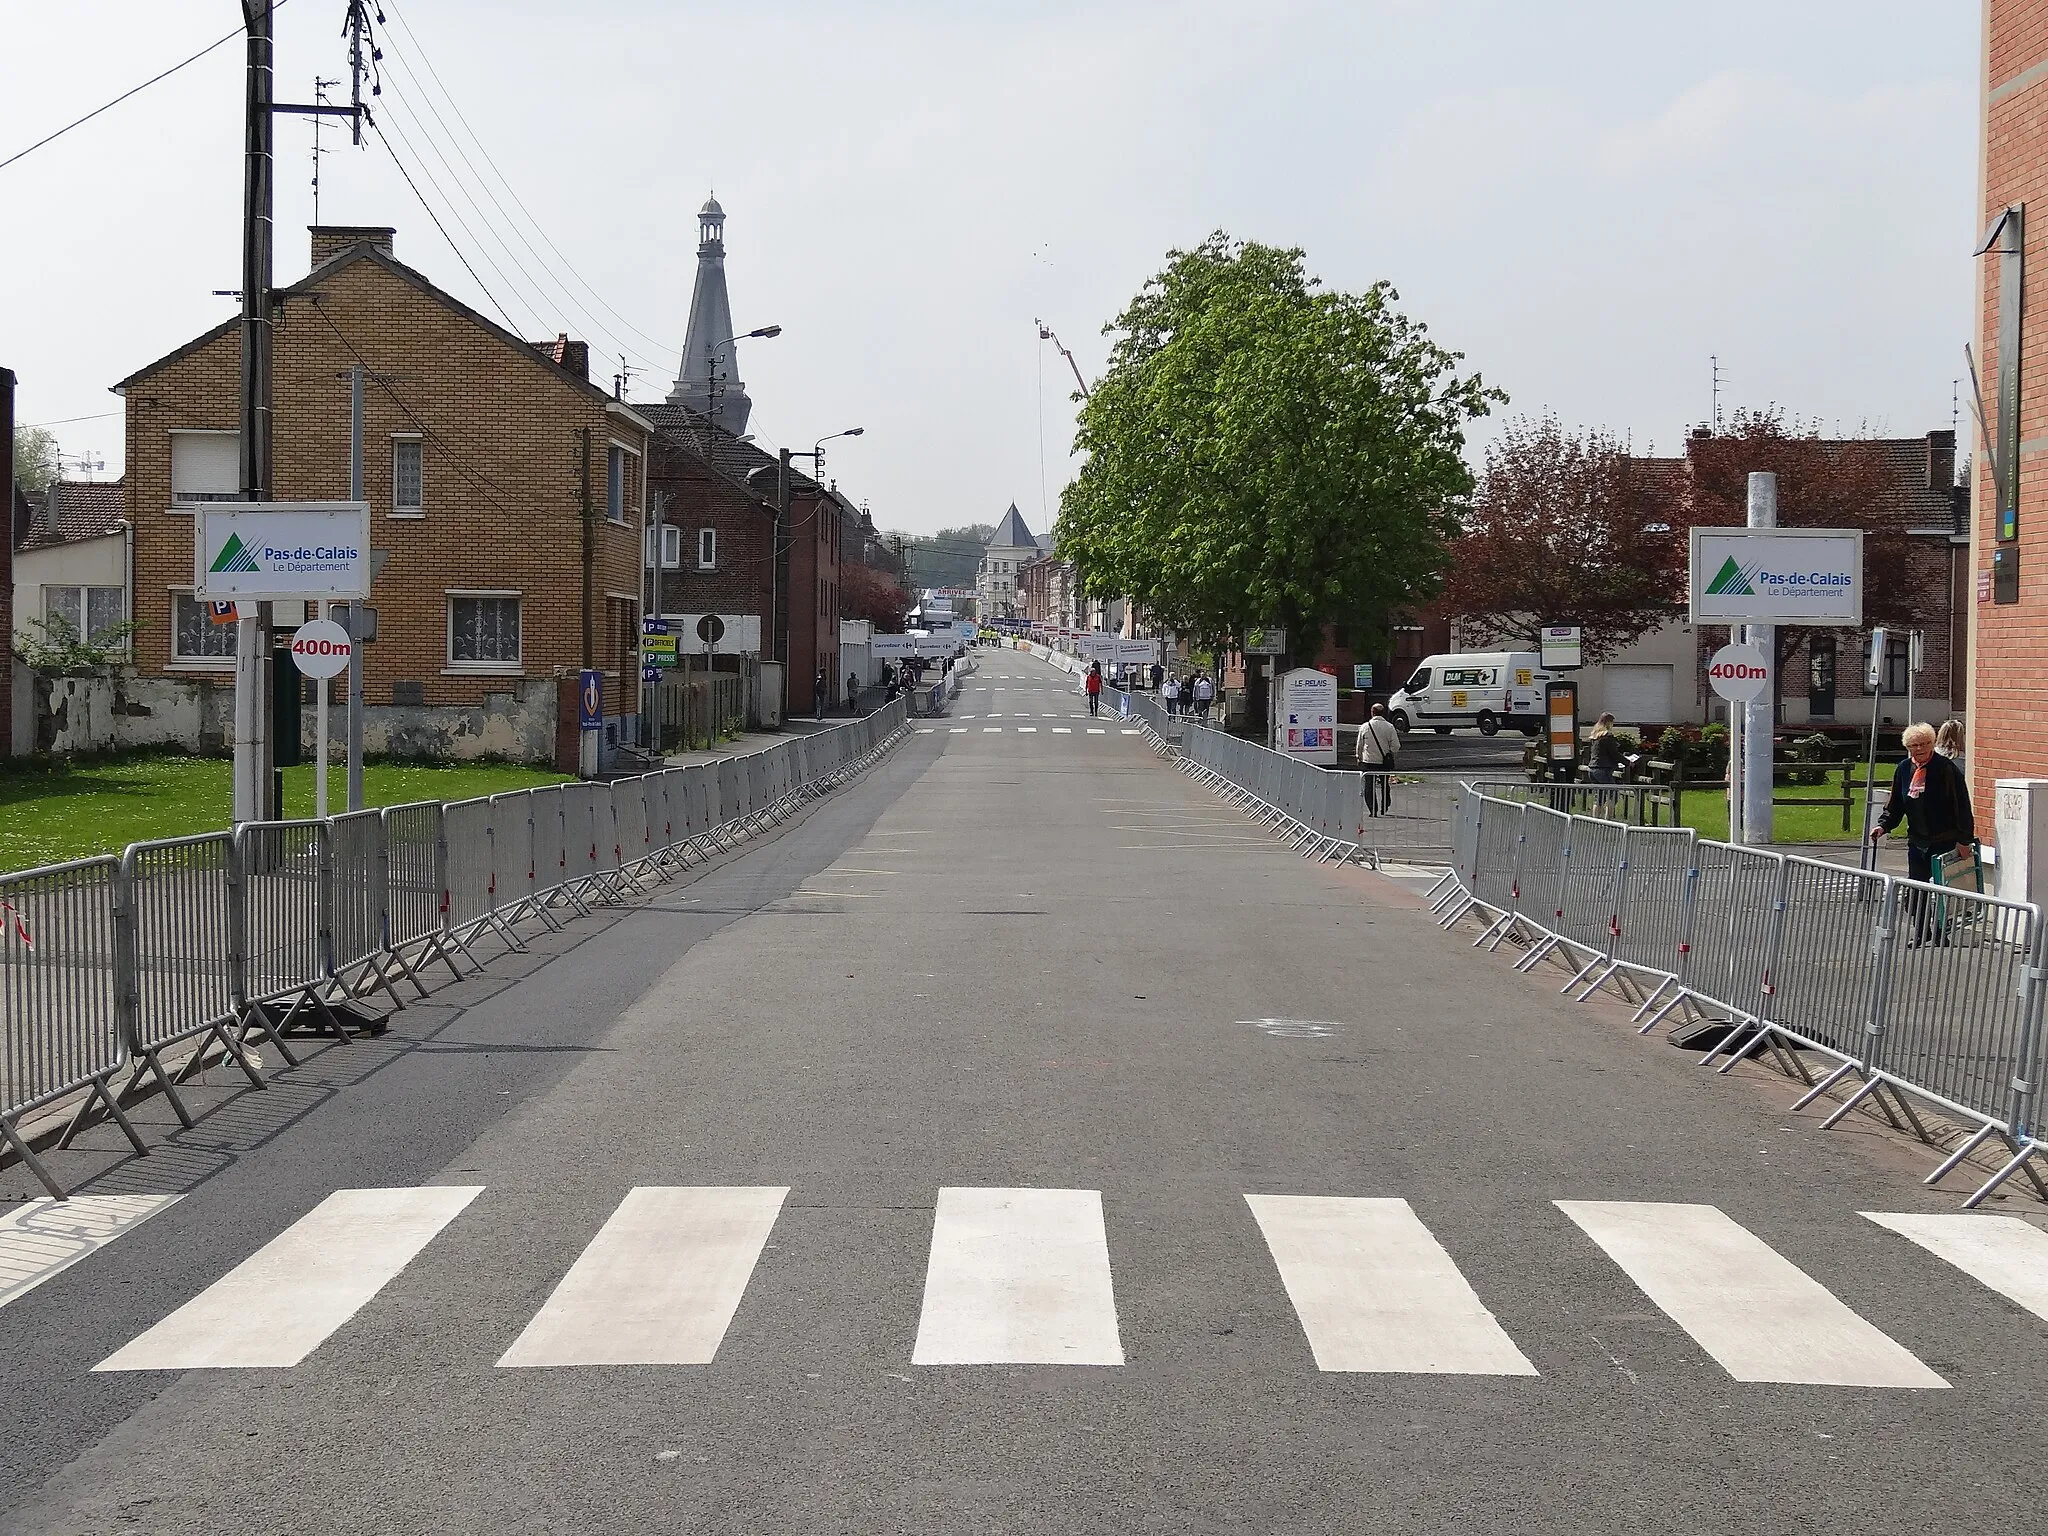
{"x": 1776, "y": 576}
{"x": 1141, "y": 652}
{"x": 1307, "y": 729}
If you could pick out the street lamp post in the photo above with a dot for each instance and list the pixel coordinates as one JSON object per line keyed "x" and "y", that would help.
{"x": 816, "y": 456}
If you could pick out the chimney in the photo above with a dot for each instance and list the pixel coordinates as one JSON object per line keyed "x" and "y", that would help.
{"x": 1941, "y": 460}
{"x": 564, "y": 353}
{"x": 330, "y": 240}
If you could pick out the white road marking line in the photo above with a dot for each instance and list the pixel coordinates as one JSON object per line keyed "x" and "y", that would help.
{"x": 40, "y": 1239}
{"x": 282, "y": 1302}
{"x": 924, "y": 730}
{"x": 658, "y": 1285}
{"x": 1018, "y": 1277}
{"x": 1761, "y": 1316}
{"x": 2003, "y": 1252}
{"x": 956, "y": 730}
{"x": 1094, "y": 730}
{"x": 992, "y": 730}
{"x": 1375, "y": 1291}
{"x": 1130, "y": 733}
{"x": 1026, "y": 730}
{"x": 1063, "y": 730}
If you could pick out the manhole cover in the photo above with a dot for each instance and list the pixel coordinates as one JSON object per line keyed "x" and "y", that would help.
{"x": 1296, "y": 1029}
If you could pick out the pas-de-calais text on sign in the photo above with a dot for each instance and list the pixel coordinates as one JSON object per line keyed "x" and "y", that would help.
{"x": 1308, "y": 716}
{"x": 1777, "y": 576}
{"x": 309, "y": 549}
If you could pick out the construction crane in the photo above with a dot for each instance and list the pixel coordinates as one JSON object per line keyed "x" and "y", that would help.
{"x": 1045, "y": 334}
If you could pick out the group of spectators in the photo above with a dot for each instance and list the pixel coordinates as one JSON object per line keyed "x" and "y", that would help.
{"x": 1191, "y": 695}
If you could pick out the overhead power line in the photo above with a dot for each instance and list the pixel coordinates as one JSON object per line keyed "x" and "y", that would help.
{"x": 378, "y": 129}
{"x": 152, "y": 80}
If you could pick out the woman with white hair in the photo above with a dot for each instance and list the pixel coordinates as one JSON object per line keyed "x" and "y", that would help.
{"x": 1930, "y": 796}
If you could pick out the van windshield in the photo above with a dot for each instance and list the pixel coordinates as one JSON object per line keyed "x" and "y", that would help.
{"x": 1419, "y": 681}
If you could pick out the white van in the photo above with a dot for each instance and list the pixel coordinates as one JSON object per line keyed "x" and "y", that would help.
{"x": 1488, "y": 689}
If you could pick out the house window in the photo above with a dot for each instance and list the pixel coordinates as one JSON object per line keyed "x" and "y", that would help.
{"x": 483, "y": 631}
{"x": 707, "y": 549}
{"x": 195, "y": 638}
{"x": 205, "y": 466}
{"x": 671, "y": 547}
{"x": 89, "y": 611}
{"x": 407, "y": 476}
{"x": 1897, "y": 668}
{"x": 621, "y": 483}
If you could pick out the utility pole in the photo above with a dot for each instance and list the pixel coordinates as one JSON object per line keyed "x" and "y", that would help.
{"x": 252, "y": 781}
{"x": 778, "y": 592}
{"x": 358, "y": 627}
{"x": 654, "y": 611}
{"x": 1762, "y": 722}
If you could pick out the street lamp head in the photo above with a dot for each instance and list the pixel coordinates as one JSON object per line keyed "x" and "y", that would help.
{"x": 853, "y": 432}
{"x": 766, "y": 331}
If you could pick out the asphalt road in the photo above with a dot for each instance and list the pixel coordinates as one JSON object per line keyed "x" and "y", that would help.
{"x": 1017, "y": 957}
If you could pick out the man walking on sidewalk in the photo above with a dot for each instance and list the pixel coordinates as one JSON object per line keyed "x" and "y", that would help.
{"x": 1094, "y": 687}
{"x": 1379, "y": 743}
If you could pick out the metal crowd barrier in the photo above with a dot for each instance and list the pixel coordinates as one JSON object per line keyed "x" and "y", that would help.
{"x": 1920, "y": 995}
{"x": 108, "y": 964}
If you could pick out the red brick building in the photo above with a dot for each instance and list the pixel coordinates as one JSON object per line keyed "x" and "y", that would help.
{"x": 506, "y": 492}
{"x": 2009, "y": 554}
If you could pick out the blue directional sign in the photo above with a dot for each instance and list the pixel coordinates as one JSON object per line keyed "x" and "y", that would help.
{"x": 650, "y": 674}
{"x": 590, "y": 701}
{"x": 654, "y": 626}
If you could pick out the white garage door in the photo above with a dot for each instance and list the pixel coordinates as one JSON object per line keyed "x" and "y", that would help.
{"x": 1639, "y": 695}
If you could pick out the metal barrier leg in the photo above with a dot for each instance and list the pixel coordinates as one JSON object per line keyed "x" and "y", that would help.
{"x": 2023, "y": 1157}
{"x": 33, "y": 1163}
{"x": 1955, "y": 1158}
{"x": 100, "y": 1095}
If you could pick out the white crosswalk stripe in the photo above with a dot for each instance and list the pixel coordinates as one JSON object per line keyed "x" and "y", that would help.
{"x": 40, "y": 1239}
{"x": 1753, "y": 1310}
{"x": 2005, "y": 1253}
{"x": 282, "y": 1302}
{"x": 1376, "y": 1292}
{"x": 659, "y": 1283}
{"x": 1018, "y": 1277}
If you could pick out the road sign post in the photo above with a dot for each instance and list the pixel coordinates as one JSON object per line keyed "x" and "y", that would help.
{"x": 320, "y": 650}
{"x": 1740, "y": 674}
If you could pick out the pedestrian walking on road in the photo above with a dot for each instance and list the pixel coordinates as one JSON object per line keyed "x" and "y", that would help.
{"x": 821, "y": 693}
{"x": 1930, "y": 795}
{"x": 1173, "y": 695}
{"x": 853, "y": 693}
{"x": 1205, "y": 694}
{"x": 1379, "y": 743}
{"x": 1093, "y": 684}
{"x": 1605, "y": 757}
{"x": 1158, "y": 676}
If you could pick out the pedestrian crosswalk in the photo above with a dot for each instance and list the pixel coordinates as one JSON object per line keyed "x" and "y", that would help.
{"x": 1023, "y": 1276}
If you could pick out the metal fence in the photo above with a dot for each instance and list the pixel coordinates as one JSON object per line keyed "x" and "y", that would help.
{"x": 108, "y": 964}
{"x": 1918, "y": 995}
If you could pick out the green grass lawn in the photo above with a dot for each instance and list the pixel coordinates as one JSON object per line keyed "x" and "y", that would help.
{"x": 51, "y": 814}
{"x": 1706, "y": 812}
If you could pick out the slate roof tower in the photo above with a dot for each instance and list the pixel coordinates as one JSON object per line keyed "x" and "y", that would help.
{"x": 710, "y": 384}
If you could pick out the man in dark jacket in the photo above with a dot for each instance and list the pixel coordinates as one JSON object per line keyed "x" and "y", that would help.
{"x": 1930, "y": 796}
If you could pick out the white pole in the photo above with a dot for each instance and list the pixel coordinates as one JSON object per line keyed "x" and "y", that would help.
{"x": 1761, "y": 722}
{"x": 320, "y": 738}
{"x": 1735, "y": 772}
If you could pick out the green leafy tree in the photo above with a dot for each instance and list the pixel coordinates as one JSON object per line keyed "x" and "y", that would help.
{"x": 1265, "y": 451}
{"x": 36, "y": 461}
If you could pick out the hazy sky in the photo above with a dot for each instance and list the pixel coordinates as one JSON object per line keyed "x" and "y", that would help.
{"x": 1587, "y": 199}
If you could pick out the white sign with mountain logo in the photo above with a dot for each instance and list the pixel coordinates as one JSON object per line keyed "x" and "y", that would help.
{"x": 273, "y": 549}
{"x": 1808, "y": 576}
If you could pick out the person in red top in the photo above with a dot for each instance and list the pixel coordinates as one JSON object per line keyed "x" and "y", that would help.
{"x": 1094, "y": 686}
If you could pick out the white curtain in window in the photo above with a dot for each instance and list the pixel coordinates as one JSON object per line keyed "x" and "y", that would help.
{"x": 484, "y": 629}
{"x": 194, "y": 634}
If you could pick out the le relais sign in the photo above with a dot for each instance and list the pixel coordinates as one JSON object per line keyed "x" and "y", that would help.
{"x": 1777, "y": 576}
{"x": 310, "y": 549}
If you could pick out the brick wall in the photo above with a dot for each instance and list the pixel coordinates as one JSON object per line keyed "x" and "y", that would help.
{"x": 2009, "y": 645}
{"x": 503, "y": 436}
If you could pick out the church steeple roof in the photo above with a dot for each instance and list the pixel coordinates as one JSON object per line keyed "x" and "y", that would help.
{"x": 1011, "y": 533}
{"x": 708, "y": 381}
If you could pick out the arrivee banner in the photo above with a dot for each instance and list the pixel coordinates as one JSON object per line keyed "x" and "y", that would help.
{"x": 308, "y": 549}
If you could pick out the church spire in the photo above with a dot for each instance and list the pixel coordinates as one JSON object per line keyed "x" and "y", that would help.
{"x": 709, "y": 379}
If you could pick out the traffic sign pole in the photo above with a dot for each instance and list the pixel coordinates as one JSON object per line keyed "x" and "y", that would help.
{"x": 320, "y": 739}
